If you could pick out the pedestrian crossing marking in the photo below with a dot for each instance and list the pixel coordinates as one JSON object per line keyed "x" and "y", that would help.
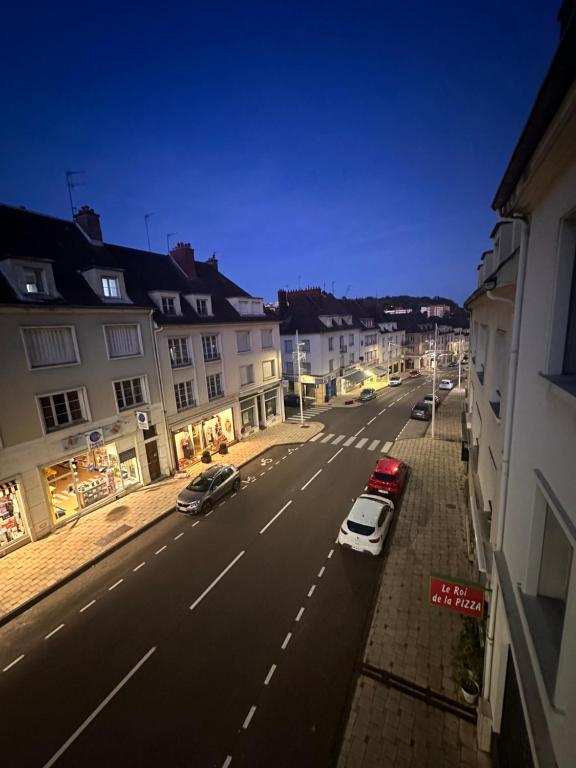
{"x": 338, "y": 439}
{"x": 361, "y": 442}
{"x": 350, "y": 441}
{"x": 373, "y": 445}
{"x": 386, "y": 447}
{"x": 316, "y": 437}
{"x": 328, "y": 437}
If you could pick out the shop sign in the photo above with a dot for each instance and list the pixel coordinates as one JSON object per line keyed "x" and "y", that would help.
{"x": 305, "y": 379}
{"x": 142, "y": 419}
{"x": 457, "y": 595}
{"x": 95, "y": 438}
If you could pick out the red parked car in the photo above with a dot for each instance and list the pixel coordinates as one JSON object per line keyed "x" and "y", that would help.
{"x": 389, "y": 477}
{"x": 414, "y": 374}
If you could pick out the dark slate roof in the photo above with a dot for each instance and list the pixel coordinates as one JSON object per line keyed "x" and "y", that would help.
{"x": 306, "y": 307}
{"x": 28, "y": 235}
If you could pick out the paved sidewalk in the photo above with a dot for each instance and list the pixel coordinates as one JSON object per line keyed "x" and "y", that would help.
{"x": 38, "y": 568}
{"x": 408, "y": 637}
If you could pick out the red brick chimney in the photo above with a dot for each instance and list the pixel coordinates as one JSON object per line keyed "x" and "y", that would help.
{"x": 89, "y": 222}
{"x": 183, "y": 255}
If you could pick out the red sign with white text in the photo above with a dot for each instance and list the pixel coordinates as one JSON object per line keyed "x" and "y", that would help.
{"x": 457, "y": 596}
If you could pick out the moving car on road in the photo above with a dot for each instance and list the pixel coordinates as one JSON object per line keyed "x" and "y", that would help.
{"x": 367, "y": 524}
{"x": 395, "y": 381}
{"x": 414, "y": 374}
{"x": 389, "y": 477}
{"x": 367, "y": 394}
{"x": 200, "y": 494}
{"x": 422, "y": 411}
{"x": 446, "y": 384}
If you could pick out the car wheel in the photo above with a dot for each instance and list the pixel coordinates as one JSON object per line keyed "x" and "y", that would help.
{"x": 206, "y": 507}
{"x": 237, "y": 484}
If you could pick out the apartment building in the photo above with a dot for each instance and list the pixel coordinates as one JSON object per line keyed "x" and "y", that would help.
{"x": 522, "y": 434}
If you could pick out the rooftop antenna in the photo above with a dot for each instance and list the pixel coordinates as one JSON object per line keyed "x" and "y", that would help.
{"x": 332, "y": 286}
{"x": 146, "y": 217}
{"x": 71, "y": 182}
{"x": 299, "y": 282}
{"x": 346, "y": 291}
{"x": 168, "y": 236}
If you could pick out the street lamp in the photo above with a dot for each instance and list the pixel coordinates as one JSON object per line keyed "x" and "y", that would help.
{"x": 390, "y": 344}
{"x": 299, "y": 357}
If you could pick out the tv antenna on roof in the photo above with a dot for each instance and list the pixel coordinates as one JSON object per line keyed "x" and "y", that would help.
{"x": 168, "y": 236}
{"x": 71, "y": 182}
{"x": 146, "y": 217}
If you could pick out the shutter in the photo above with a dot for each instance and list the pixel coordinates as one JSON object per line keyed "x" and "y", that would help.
{"x": 50, "y": 346}
{"x": 123, "y": 340}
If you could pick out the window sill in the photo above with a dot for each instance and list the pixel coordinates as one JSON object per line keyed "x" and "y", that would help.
{"x": 187, "y": 364}
{"x": 62, "y": 427}
{"x": 215, "y": 397}
{"x": 186, "y": 407}
{"x": 565, "y": 383}
{"x": 243, "y": 351}
{"x": 132, "y": 407}
{"x": 212, "y": 359}
{"x": 247, "y": 384}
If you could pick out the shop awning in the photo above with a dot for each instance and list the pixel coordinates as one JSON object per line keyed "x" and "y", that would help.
{"x": 379, "y": 370}
{"x": 356, "y": 377}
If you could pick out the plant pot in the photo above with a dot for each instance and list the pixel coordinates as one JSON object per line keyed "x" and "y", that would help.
{"x": 206, "y": 457}
{"x": 223, "y": 448}
{"x": 470, "y": 691}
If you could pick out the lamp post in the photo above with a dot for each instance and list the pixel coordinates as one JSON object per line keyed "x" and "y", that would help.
{"x": 390, "y": 345}
{"x": 435, "y": 360}
{"x": 298, "y": 359}
{"x": 459, "y": 358}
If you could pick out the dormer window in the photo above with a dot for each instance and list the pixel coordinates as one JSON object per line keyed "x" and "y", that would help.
{"x": 30, "y": 280}
{"x": 110, "y": 287}
{"x": 34, "y": 280}
{"x": 247, "y": 307}
{"x": 201, "y": 303}
{"x": 168, "y": 305}
{"x": 201, "y": 307}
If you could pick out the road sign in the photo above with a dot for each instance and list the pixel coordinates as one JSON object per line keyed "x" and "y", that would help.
{"x": 457, "y": 595}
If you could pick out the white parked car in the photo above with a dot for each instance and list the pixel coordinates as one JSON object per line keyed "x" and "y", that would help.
{"x": 367, "y": 524}
{"x": 395, "y": 381}
{"x": 446, "y": 384}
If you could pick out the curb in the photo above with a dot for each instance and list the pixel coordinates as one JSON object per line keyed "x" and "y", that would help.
{"x": 35, "y": 599}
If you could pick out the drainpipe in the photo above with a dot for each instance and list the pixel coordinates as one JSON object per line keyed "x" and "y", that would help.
{"x": 154, "y": 332}
{"x": 508, "y": 425}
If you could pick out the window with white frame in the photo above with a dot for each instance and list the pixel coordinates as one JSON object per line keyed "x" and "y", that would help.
{"x": 62, "y": 409}
{"x": 130, "y": 393}
{"x": 168, "y": 304}
{"x": 288, "y": 346}
{"x": 48, "y": 346}
{"x": 202, "y": 307}
{"x": 266, "y": 338}
{"x": 306, "y": 368}
{"x": 123, "y": 340}
{"x": 256, "y": 308}
{"x": 248, "y": 414}
{"x": 246, "y": 375}
{"x": 351, "y": 340}
{"x": 210, "y": 348}
{"x": 110, "y": 286}
{"x": 184, "y": 393}
{"x": 330, "y": 365}
{"x": 268, "y": 369}
{"x": 289, "y": 367}
{"x": 179, "y": 352}
{"x": 271, "y": 403}
{"x": 330, "y": 343}
{"x": 214, "y": 385}
{"x": 35, "y": 280}
{"x": 305, "y": 345}
{"x": 244, "y": 307}
{"x": 569, "y": 362}
{"x": 243, "y": 341}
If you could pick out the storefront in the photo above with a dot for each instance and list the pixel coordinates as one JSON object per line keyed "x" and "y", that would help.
{"x": 97, "y": 473}
{"x": 207, "y": 434}
{"x": 13, "y": 531}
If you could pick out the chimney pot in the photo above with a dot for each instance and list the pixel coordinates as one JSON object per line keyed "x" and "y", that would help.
{"x": 89, "y": 221}
{"x": 183, "y": 255}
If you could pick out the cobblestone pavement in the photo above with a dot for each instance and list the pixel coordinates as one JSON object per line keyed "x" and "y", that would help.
{"x": 39, "y": 566}
{"x": 408, "y": 637}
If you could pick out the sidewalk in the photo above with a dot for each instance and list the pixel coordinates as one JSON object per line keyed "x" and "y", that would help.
{"x": 38, "y": 568}
{"x": 408, "y": 637}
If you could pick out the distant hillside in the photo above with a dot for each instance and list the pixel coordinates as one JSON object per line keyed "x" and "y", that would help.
{"x": 379, "y": 305}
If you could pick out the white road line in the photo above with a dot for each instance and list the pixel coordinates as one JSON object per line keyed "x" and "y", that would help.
{"x": 249, "y": 717}
{"x": 226, "y": 763}
{"x": 195, "y": 524}
{"x": 262, "y": 473}
{"x": 234, "y": 494}
{"x": 328, "y": 437}
{"x": 221, "y": 504}
{"x": 13, "y": 663}
{"x": 88, "y": 605}
{"x": 179, "y": 535}
{"x": 373, "y": 445}
{"x": 349, "y": 441}
{"x": 142, "y": 564}
{"x": 216, "y": 580}
{"x": 49, "y": 635}
{"x": 286, "y": 641}
{"x": 311, "y": 590}
{"x": 316, "y": 437}
{"x": 360, "y": 430}
{"x": 321, "y": 571}
{"x": 386, "y": 447}
{"x": 309, "y": 481}
{"x": 361, "y": 442}
{"x": 277, "y": 462}
{"x": 160, "y": 550}
{"x": 98, "y": 709}
{"x": 381, "y": 412}
{"x": 243, "y": 487}
{"x": 283, "y": 457}
{"x": 371, "y": 420}
{"x": 330, "y": 554}
{"x": 117, "y": 584}
{"x": 299, "y": 614}
{"x": 270, "y": 673}
{"x": 208, "y": 513}
{"x": 269, "y": 523}
{"x": 336, "y": 454}
{"x": 269, "y": 468}
{"x": 338, "y": 439}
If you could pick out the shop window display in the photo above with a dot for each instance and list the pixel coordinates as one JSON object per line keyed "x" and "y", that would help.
{"x": 77, "y": 483}
{"x": 12, "y": 527}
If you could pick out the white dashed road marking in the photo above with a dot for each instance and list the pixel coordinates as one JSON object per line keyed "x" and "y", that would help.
{"x": 142, "y": 564}
{"x": 88, "y": 605}
{"x": 286, "y": 641}
{"x": 336, "y": 454}
{"x": 49, "y": 635}
{"x": 216, "y": 580}
{"x": 13, "y": 663}
{"x": 311, "y": 590}
{"x": 249, "y": 717}
{"x": 321, "y": 571}
{"x": 269, "y": 523}
{"x": 116, "y": 584}
{"x": 309, "y": 481}
{"x": 270, "y": 673}
{"x": 179, "y": 535}
{"x": 299, "y": 614}
{"x": 160, "y": 550}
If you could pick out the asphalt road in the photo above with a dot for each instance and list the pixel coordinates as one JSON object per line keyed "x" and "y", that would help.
{"x": 229, "y": 639}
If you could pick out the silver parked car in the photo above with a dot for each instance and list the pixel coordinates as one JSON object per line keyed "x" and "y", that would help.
{"x": 210, "y": 486}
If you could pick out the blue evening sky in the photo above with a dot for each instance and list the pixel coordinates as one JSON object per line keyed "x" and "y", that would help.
{"x": 354, "y": 145}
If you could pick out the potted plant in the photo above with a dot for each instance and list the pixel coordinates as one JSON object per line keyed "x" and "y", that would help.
{"x": 206, "y": 456}
{"x": 223, "y": 448}
{"x": 468, "y": 659}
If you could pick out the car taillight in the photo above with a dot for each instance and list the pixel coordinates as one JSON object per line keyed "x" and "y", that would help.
{"x": 375, "y": 541}
{"x": 344, "y": 530}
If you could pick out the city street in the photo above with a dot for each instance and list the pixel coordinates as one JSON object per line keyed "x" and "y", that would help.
{"x": 224, "y": 639}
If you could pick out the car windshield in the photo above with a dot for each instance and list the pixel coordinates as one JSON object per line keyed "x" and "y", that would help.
{"x": 363, "y": 530}
{"x": 384, "y": 477}
{"x": 200, "y": 483}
